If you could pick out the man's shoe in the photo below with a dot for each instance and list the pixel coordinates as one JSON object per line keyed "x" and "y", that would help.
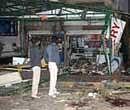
{"x": 36, "y": 97}
{"x": 52, "y": 95}
{"x": 57, "y": 93}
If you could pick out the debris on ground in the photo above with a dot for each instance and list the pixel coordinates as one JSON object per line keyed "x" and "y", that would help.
{"x": 78, "y": 92}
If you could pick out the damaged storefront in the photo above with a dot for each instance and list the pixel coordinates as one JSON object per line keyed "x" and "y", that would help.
{"x": 92, "y": 72}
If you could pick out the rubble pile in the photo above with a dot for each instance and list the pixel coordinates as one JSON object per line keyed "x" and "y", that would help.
{"x": 88, "y": 67}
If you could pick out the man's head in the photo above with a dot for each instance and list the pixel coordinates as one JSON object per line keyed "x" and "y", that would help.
{"x": 53, "y": 39}
{"x": 56, "y": 40}
{"x": 35, "y": 42}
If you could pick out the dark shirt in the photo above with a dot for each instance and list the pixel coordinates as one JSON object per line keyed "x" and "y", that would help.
{"x": 52, "y": 53}
{"x": 35, "y": 56}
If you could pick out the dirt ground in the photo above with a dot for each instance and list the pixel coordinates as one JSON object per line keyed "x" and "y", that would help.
{"x": 73, "y": 97}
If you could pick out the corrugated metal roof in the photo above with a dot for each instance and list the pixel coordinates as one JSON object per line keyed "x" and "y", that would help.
{"x": 30, "y": 7}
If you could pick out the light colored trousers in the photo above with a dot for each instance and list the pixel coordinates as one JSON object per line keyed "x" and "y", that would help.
{"x": 53, "y": 69}
{"x": 35, "y": 80}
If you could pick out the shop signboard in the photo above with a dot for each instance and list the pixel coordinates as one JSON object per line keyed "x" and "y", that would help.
{"x": 117, "y": 28}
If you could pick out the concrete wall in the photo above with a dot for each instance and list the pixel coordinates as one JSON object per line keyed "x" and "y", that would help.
{"x": 8, "y": 45}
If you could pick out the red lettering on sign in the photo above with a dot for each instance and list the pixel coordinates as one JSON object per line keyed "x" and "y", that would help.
{"x": 115, "y": 26}
{"x": 114, "y": 30}
{"x": 113, "y": 33}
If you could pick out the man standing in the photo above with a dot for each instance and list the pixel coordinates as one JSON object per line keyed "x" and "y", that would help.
{"x": 35, "y": 57}
{"x": 52, "y": 55}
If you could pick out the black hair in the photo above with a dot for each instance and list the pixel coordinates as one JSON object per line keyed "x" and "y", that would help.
{"x": 54, "y": 39}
